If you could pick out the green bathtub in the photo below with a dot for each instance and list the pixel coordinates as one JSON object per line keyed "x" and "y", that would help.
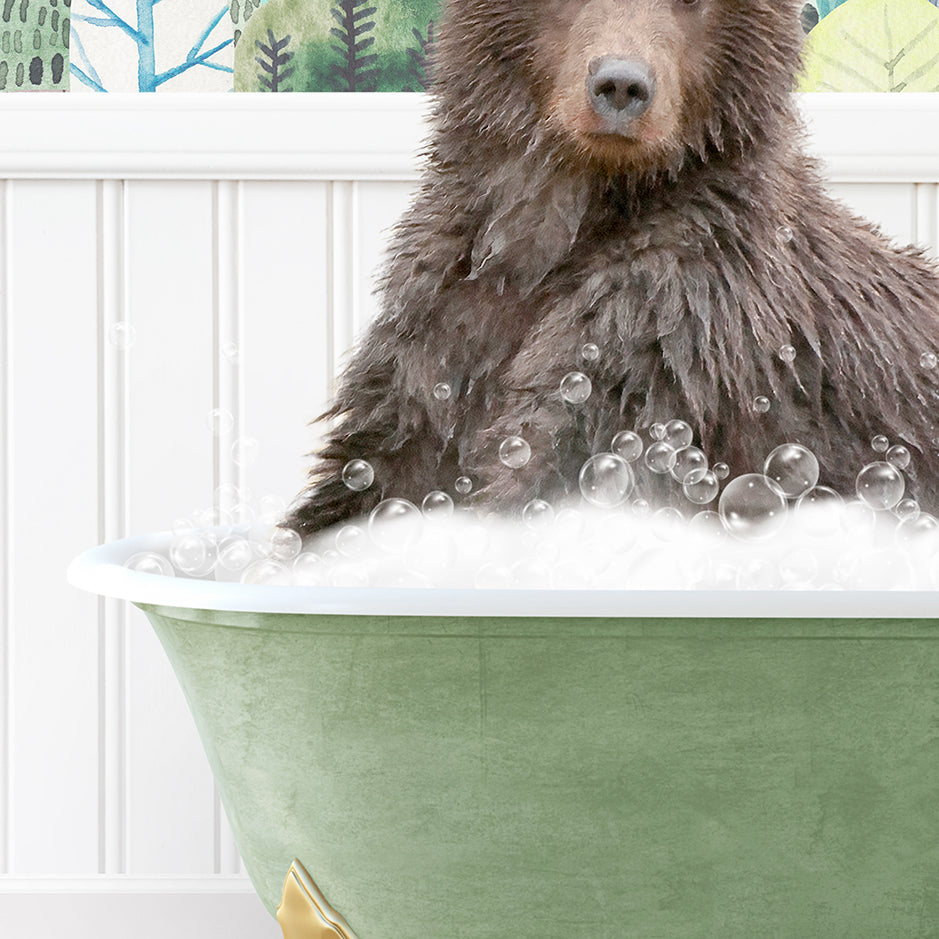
{"x": 480, "y": 764}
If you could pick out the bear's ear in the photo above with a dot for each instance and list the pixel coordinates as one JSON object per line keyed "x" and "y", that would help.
{"x": 529, "y": 228}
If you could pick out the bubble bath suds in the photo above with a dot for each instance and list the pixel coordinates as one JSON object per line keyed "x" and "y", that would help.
{"x": 774, "y": 529}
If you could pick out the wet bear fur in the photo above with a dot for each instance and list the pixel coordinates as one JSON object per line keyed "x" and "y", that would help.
{"x": 689, "y": 245}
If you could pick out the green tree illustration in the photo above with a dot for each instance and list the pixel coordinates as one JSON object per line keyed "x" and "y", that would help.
{"x": 354, "y": 71}
{"x": 275, "y": 58}
{"x": 419, "y": 59}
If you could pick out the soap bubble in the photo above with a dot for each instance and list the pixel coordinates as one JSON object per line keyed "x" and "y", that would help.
{"x": 437, "y": 505}
{"x": 678, "y": 435}
{"x": 395, "y": 524}
{"x": 721, "y": 470}
{"x": 309, "y": 569}
{"x": 668, "y": 523}
{"x": 442, "y": 391}
{"x": 244, "y": 451}
{"x": 687, "y": 460}
{"x": 880, "y": 443}
{"x": 819, "y": 510}
{"x": 235, "y": 554}
{"x": 752, "y": 507}
{"x": 708, "y": 524}
{"x": 435, "y": 552}
{"x": 857, "y": 518}
{"x": 919, "y": 533}
{"x": 899, "y": 456}
{"x": 793, "y": 468}
{"x": 761, "y": 404}
{"x": 928, "y": 360}
{"x": 211, "y": 517}
{"x": 220, "y": 421}
{"x": 226, "y": 495}
{"x": 149, "y": 562}
{"x": 285, "y": 544}
{"x": 463, "y": 485}
{"x": 784, "y": 235}
{"x": 351, "y": 541}
{"x": 569, "y": 524}
{"x": 657, "y": 431}
{"x": 514, "y": 452}
{"x": 538, "y": 515}
{"x": 590, "y": 351}
{"x": 701, "y": 486}
{"x": 628, "y": 445}
{"x": 192, "y": 554}
{"x": 122, "y": 336}
{"x": 266, "y": 571}
{"x": 798, "y": 566}
{"x": 231, "y": 352}
{"x": 787, "y": 353}
{"x": 880, "y": 485}
{"x": 358, "y": 475}
{"x": 660, "y": 457}
{"x": 271, "y": 506}
{"x": 906, "y": 508}
{"x": 606, "y": 480}
{"x": 576, "y": 387}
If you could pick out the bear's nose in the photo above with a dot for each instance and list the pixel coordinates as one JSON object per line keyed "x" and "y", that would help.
{"x": 620, "y": 90}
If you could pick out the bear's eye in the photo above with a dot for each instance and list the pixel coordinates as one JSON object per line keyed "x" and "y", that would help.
{"x": 687, "y": 3}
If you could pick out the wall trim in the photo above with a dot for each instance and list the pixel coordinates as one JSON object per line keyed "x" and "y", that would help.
{"x": 859, "y": 137}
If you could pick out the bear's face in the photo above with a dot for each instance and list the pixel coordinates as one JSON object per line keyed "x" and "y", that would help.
{"x": 618, "y": 77}
{"x": 629, "y": 85}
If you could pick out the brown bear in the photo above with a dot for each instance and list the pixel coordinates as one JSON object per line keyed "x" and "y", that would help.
{"x": 627, "y": 174}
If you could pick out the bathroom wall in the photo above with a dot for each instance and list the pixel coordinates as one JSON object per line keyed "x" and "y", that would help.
{"x": 241, "y": 266}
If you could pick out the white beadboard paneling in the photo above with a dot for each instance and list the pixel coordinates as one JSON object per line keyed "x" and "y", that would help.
{"x": 287, "y": 358}
{"x": 228, "y": 394}
{"x": 53, "y": 432}
{"x": 273, "y": 250}
{"x": 378, "y": 208}
{"x": 927, "y": 216}
{"x": 227, "y": 328}
{"x": 891, "y": 205}
{"x": 343, "y": 270}
{"x": 170, "y": 457}
{"x": 6, "y": 661}
{"x": 112, "y": 507}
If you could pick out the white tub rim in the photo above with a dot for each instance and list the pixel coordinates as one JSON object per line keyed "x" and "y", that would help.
{"x": 100, "y": 570}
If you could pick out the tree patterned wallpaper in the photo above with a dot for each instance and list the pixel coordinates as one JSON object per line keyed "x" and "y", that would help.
{"x": 371, "y": 45}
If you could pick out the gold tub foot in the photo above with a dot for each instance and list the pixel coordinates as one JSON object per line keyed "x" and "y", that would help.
{"x": 304, "y": 913}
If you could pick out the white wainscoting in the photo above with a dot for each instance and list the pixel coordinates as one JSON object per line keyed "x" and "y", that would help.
{"x": 202, "y": 222}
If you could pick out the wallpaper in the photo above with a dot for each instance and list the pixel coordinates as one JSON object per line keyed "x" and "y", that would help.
{"x": 371, "y": 45}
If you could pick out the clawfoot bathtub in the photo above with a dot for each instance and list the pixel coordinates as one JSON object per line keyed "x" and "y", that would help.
{"x": 474, "y": 764}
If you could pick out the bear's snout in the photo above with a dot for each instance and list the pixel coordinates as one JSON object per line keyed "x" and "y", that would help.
{"x": 619, "y": 90}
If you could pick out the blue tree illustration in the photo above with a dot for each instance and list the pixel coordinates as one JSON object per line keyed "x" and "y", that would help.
{"x": 148, "y": 79}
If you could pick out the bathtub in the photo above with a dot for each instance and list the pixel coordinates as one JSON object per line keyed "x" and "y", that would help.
{"x": 430, "y": 764}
